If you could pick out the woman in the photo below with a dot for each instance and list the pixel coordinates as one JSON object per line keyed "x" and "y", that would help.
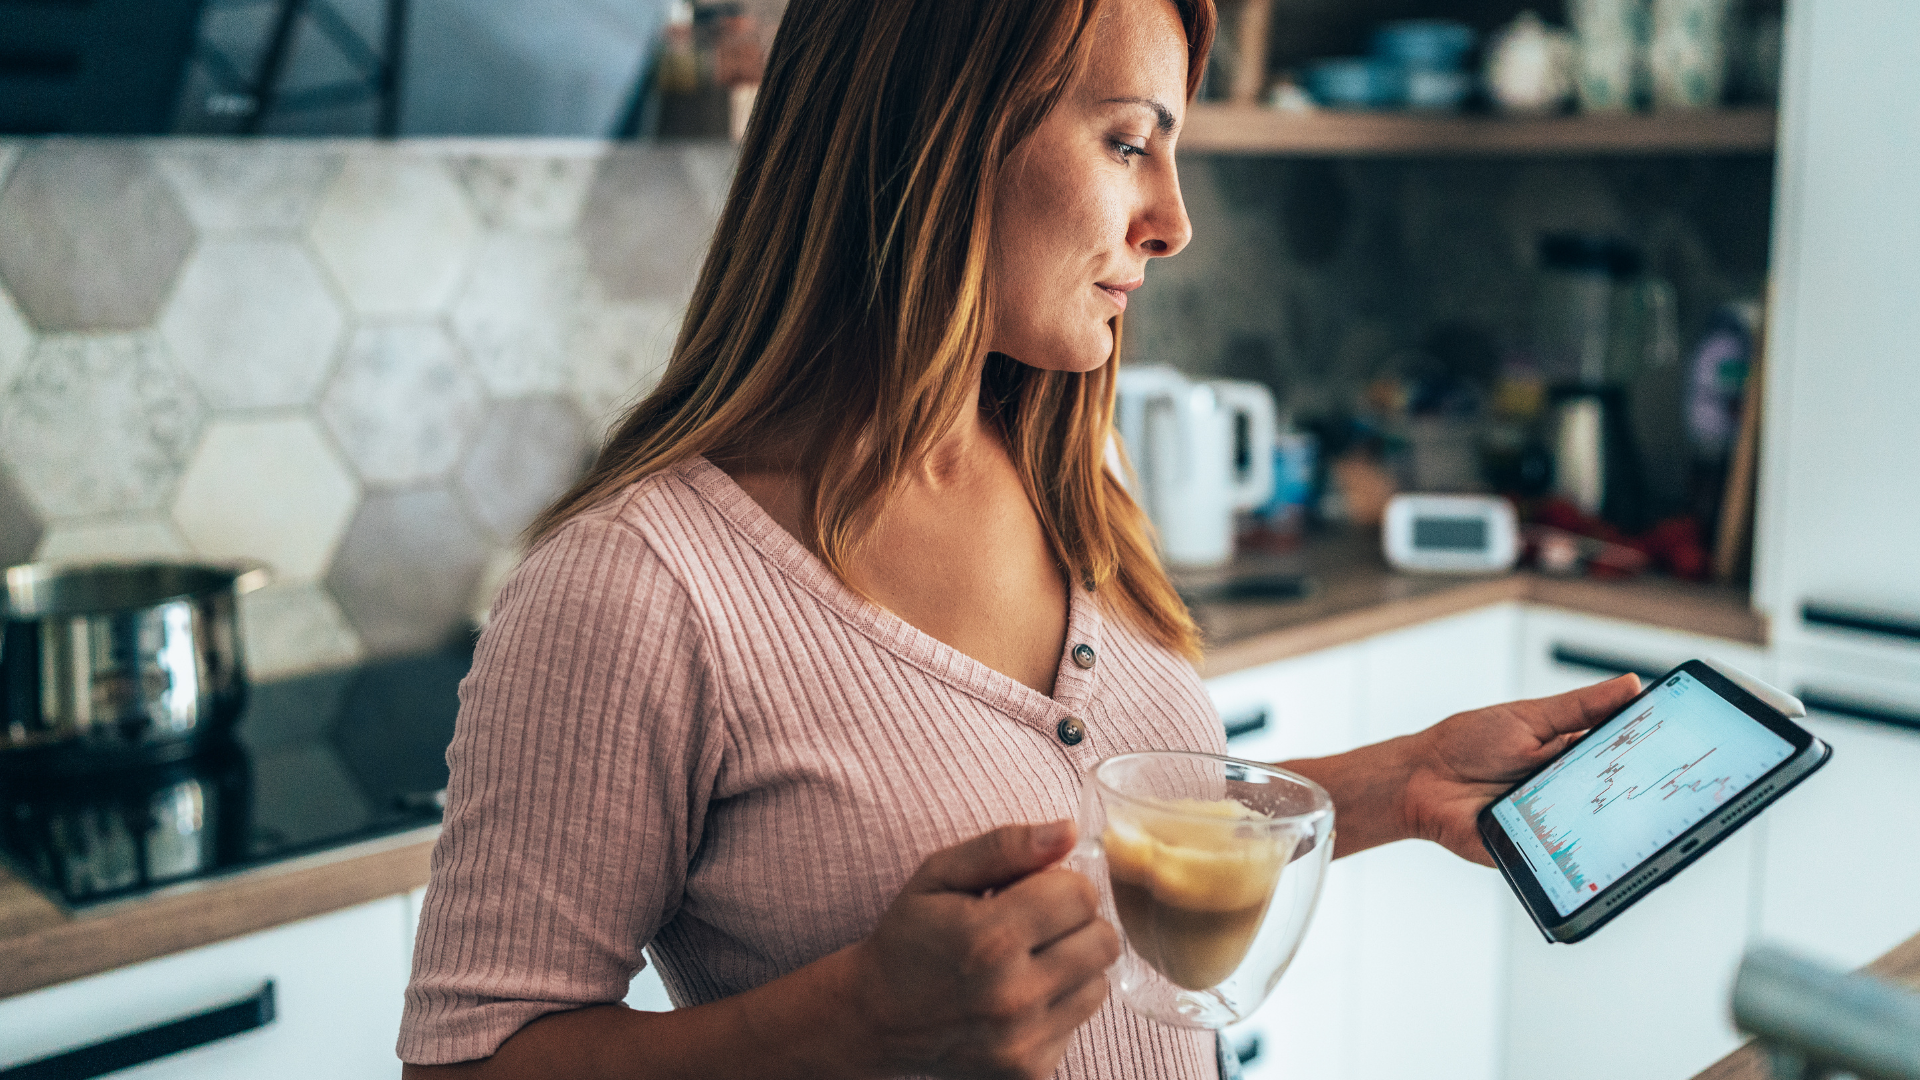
{"x": 797, "y": 685}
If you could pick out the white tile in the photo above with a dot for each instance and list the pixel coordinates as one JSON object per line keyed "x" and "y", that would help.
{"x": 252, "y": 323}
{"x": 144, "y": 536}
{"x": 516, "y": 313}
{"x": 252, "y": 185}
{"x": 402, "y": 405}
{"x": 500, "y": 566}
{"x": 270, "y": 489}
{"x": 534, "y": 194}
{"x": 99, "y": 425}
{"x": 395, "y": 231}
{"x": 710, "y": 166}
{"x": 620, "y": 351}
{"x": 16, "y": 339}
{"x": 295, "y": 628}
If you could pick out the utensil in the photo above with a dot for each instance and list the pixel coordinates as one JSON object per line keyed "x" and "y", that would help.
{"x": 1209, "y": 868}
{"x": 1200, "y": 451}
{"x": 119, "y": 663}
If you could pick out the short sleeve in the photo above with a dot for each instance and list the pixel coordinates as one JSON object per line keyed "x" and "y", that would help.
{"x": 581, "y": 766}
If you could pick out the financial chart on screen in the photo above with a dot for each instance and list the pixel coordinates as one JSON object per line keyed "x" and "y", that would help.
{"x": 1642, "y": 779}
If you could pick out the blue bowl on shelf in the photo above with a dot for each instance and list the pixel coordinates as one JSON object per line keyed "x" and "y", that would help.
{"x": 1424, "y": 44}
{"x": 1356, "y": 82}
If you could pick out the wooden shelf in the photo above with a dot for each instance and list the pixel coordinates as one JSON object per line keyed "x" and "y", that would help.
{"x": 1241, "y": 129}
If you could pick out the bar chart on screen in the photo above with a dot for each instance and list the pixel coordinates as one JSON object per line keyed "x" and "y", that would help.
{"x": 1636, "y": 784}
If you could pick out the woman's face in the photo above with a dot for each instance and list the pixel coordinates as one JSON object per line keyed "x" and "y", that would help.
{"x": 1091, "y": 195}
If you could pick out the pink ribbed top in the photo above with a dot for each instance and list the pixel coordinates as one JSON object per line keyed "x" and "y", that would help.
{"x": 682, "y": 732}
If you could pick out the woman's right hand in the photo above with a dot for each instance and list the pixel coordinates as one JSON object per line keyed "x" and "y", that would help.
{"x": 987, "y": 960}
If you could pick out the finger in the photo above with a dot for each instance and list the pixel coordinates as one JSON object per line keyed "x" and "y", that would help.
{"x": 994, "y": 859}
{"x": 1578, "y": 710}
{"x": 1077, "y": 1004}
{"x": 1047, "y": 906}
{"x": 1079, "y": 956}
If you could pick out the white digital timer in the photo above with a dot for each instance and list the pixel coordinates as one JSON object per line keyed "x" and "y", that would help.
{"x": 1451, "y": 534}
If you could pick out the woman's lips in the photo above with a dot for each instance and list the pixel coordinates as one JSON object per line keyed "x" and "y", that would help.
{"x": 1118, "y": 291}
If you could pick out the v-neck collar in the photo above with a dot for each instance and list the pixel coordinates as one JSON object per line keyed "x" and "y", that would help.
{"x": 1073, "y": 685}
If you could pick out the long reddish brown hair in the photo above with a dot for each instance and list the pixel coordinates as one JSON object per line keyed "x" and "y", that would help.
{"x": 842, "y": 309}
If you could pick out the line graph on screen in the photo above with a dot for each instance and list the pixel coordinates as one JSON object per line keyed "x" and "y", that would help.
{"x": 1633, "y": 764}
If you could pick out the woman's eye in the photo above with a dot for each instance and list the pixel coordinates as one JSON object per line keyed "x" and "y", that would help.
{"x": 1127, "y": 150}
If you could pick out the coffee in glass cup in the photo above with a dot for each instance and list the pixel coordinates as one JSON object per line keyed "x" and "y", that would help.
{"x": 1209, "y": 867}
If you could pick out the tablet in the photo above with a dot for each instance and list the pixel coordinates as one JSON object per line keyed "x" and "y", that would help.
{"x": 1640, "y": 796}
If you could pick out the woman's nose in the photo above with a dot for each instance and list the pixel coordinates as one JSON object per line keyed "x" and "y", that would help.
{"x": 1163, "y": 228}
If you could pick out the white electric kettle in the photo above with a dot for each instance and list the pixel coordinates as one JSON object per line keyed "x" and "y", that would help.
{"x": 1200, "y": 451}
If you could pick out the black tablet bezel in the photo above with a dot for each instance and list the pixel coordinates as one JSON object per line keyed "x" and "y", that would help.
{"x": 1808, "y": 755}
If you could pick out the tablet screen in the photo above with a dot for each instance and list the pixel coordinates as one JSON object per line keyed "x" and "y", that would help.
{"x": 1640, "y": 780}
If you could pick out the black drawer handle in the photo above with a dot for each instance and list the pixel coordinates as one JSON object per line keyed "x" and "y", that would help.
{"x": 1834, "y": 705}
{"x": 1608, "y": 665}
{"x": 1246, "y": 725}
{"x": 1871, "y": 622}
{"x": 155, "y": 1042}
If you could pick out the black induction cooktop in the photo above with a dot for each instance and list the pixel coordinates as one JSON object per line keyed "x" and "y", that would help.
{"x": 314, "y": 763}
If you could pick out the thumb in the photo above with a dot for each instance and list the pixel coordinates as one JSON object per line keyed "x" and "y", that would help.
{"x": 1592, "y": 704}
{"x": 994, "y": 859}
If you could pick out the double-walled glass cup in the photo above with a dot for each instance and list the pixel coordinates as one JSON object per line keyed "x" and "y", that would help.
{"x": 1209, "y": 867}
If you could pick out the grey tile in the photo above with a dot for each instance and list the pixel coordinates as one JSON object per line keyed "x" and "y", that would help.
{"x": 20, "y": 525}
{"x": 527, "y": 193}
{"x": 99, "y": 425}
{"x": 516, "y": 313}
{"x": 254, "y": 185}
{"x": 403, "y": 405}
{"x": 90, "y": 236}
{"x": 619, "y": 353}
{"x": 269, "y": 488}
{"x": 295, "y": 628}
{"x": 395, "y": 231}
{"x": 252, "y": 323}
{"x": 10, "y": 150}
{"x": 407, "y": 569}
{"x": 16, "y": 340}
{"x": 528, "y": 452}
{"x": 117, "y": 536}
{"x": 710, "y": 165}
{"x": 645, "y": 228}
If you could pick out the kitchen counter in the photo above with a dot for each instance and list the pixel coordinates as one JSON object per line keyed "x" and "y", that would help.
{"x": 1352, "y": 595}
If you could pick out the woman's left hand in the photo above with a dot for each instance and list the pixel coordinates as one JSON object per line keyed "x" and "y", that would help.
{"x": 1457, "y": 766}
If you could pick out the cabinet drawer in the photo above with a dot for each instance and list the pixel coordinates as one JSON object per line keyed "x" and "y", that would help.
{"x": 1562, "y": 651}
{"x": 1834, "y": 882}
{"x": 338, "y": 981}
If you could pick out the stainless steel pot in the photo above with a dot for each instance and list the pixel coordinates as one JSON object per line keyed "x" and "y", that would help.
{"x": 120, "y": 662}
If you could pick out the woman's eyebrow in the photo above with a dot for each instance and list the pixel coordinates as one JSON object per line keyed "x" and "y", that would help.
{"x": 1165, "y": 114}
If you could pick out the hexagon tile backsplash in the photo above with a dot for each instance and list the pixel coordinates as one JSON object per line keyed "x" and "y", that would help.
{"x": 364, "y": 364}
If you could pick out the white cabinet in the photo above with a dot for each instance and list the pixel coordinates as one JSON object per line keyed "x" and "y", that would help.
{"x": 1399, "y": 974}
{"x": 338, "y": 980}
{"x": 1310, "y": 709}
{"x": 1425, "y": 993}
{"x": 1838, "y": 520}
{"x": 1837, "y": 879}
{"x": 1661, "y": 971}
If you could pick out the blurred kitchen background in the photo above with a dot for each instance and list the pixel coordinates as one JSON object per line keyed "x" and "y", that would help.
{"x": 354, "y": 287}
{"x": 414, "y": 343}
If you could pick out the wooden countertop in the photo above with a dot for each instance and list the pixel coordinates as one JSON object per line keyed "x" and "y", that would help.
{"x": 1355, "y": 595}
